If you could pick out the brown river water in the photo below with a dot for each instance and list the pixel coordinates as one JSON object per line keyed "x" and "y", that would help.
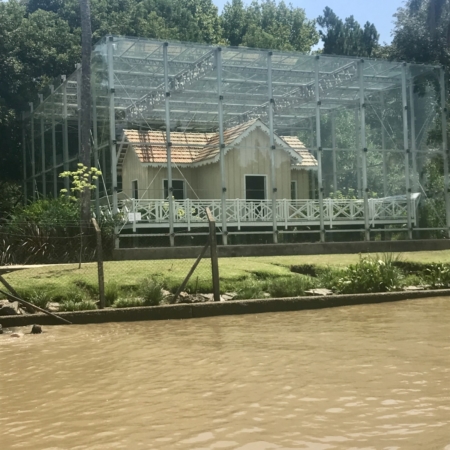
{"x": 361, "y": 377}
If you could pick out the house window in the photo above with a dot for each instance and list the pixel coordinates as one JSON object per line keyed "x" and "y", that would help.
{"x": 293, "y": 190}
{"x": 179, "y": 189}
{"x": 134, "y": 189}
{"x": 255, "y": 187}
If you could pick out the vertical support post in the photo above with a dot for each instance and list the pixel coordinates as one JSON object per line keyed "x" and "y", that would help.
{"x": 55, "y": 170}
{"x": 33, "y": 160}
{"x": 214, "y": 256}
{"x": 412, "y": 116}
{"x": 319, "y": 150}
{"x": 101, "y": 275}
{"x": 95, "y": 148}
{"x": 272, "y": 149}
{"x": 406, "y": 148}
{"x": 222, "y": 146}
{"x": 445, "y": 146}
{"x": 65, "y": 132}
{"x": 312, "y": 173}
{"x": 334, "y": 144}
{"x": 168, "y": 144}
{"x": 358, "y": 159}
{"x": 362, "y": 108}
{"x": 383, "y": 146}
{"x": 112, "y": 132}
{"x": 24, "y": 160}
{"x": 43, "y": 177}
{"x": 78, "y": 70}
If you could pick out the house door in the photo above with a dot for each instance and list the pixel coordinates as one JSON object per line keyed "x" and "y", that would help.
{"x": 255, "y": 187}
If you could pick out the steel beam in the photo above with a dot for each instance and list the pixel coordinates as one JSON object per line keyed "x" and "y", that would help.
{"x": 24, "y": 160}
{"x": 33, "y": 160}
{"x": 334, "y": 146}
{"x": 168, "y": 144}
{"x": 43, "y": 177}
{"x": 406, "y": 147}
{"x": 65, "y": 133}
{"x": 112, "y": 132}
{"x": 383, "y": 146}
{"x": 319, "y": 150}
{"x": 270, "y": 104}
{"x": 445, "y": 146}
{"x": 222, "y": 146}
{"x": 362, "y": 108}
{"x": 55, "y": 172}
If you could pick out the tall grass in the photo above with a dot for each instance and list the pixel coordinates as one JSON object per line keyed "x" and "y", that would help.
{"x": 370, "y": 274}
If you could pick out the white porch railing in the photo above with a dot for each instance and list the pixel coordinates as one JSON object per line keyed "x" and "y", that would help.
{"x": 288, "y": 212}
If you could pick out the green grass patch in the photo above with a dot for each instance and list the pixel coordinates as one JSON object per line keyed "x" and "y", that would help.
{"x": 250, "y": 277}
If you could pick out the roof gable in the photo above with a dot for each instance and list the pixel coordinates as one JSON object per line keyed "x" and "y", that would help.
{"x": 196, "y": 149}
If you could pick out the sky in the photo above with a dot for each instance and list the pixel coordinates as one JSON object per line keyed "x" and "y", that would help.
{"x": 379, "y": 12}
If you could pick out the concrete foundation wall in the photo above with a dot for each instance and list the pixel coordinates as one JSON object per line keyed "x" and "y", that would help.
{"x": 284, "y": 249}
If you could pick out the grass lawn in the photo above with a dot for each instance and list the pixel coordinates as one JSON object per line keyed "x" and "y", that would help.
{"x": 127, "y": 274}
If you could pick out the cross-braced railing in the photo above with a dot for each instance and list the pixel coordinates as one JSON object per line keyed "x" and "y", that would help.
{"x": 239, "y": 212}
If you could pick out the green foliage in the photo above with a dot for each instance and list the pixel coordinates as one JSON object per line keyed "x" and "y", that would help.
{"x": 370, "y": 274}
{"x": 128, "y": 302}
{"x": 268, "y": 24}
{"x": 438, "y": 275}
{"x": 71, "y": 305}
{"x": 112, "y": 291}
{"x": 81, "y": 179}
{"x": 346, "y": 37}
{"x": 249, "y": 288}
{"x": 293, "y": 286}
{"x": 150, "y": 290}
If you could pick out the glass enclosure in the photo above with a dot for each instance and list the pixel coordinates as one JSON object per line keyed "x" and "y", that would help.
{"x": 375, "y": 128}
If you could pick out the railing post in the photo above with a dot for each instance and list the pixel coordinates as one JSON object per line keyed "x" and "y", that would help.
{"x": 406, "y": 148}
{"x": 214, "y": 256}
{"x": 272, "y": 149}
{"x": 188, "y": 213}
{"x": 319, "y": 150}
{"x": 362, "y": 106}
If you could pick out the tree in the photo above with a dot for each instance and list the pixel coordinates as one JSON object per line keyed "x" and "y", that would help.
{"x": 346, "y": 37}
{"x": 268, "y": 24}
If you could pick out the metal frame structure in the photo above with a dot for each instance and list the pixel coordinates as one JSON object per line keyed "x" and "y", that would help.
{"x": 150, "y": 85}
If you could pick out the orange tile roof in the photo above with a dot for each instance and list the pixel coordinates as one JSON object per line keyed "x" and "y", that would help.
{"x": 188, "y": 148}
{"x": 294, "y": 142}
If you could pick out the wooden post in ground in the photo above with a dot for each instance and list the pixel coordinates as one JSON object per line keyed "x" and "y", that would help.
{"x": 101, "y": 275}
{"x": 214, "y": 257}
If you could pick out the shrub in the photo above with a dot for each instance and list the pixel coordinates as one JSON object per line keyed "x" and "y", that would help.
{"x": 111, "y": 292}
{"x": 329, "y": 277}
{"x": 150, "y": 290}
{"x": 370, "y": 274}
{"x": 249, "y": 288}
{"x": 70, "y": 305}
{"x": 438, "y": 275}
{"x": 128, "y": 302}
{"x": 38, "y": 297}
{"x": 290, "y": 286}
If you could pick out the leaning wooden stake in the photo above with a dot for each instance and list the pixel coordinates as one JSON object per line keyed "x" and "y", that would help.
{"x": 101, "y": 275}
{"x": 188, "y": 276}
{"x": 17, "y": 299}
{"x": 8, "y": 286}
{"x": 214, "y": 257}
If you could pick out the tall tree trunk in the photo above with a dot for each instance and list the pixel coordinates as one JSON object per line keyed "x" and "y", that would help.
{"x": 85, "y": 153}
